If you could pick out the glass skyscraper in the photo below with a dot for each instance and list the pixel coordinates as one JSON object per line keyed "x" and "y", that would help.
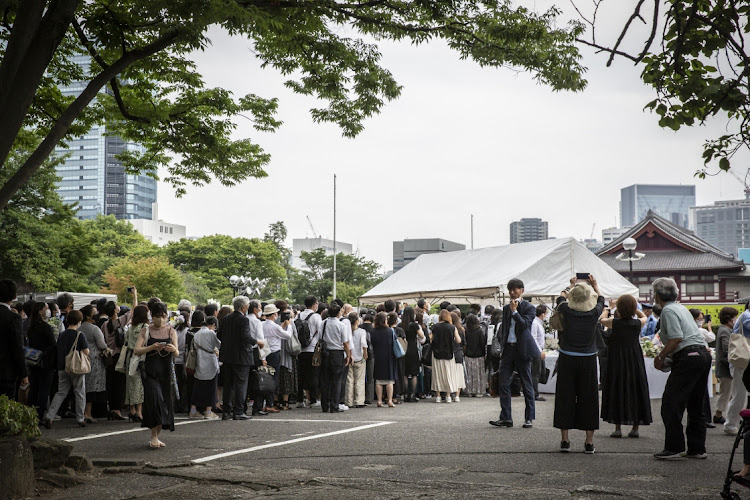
{"x": 93, "y": 177}
{"x": 668, "y": 201}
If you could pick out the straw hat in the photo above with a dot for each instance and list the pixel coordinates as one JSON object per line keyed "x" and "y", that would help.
{"x": 582, "y": 297}
{"x": 270, "y": 309}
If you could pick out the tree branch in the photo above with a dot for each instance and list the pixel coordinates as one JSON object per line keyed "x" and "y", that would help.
{"x": 635, "y": 15}
{"x": 607, "y": 49}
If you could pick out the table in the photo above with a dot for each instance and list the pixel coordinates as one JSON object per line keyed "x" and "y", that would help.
{"x": 657, "y": 379}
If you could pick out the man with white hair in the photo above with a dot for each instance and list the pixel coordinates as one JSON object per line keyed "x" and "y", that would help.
{"x": 686, "y": 385}
{"x": 236, "y": 355}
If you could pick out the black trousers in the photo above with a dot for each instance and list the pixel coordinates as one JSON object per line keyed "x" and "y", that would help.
{"x": 537, "y": 365}
{"x": 308, "y": 375}
{"x": 115, "y": 387}
{"x": 330, "y": 379}
{"x": 235, "y": 388}
{"x": 510, "y": 362}
{"x": 686, "y": 389}
{"x": 577, "y": 393}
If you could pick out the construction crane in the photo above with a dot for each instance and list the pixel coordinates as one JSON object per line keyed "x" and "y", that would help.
{"x": 312, "y": 227}
{"x": 593, "y": 228}
{"x": 743, "y": 181}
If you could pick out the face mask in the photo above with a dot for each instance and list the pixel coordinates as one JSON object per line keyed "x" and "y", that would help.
{"x": 158, "y": 322}
{"x": 57, "y": 314}
{"x": 48, "y": 314}
{"x": 699, "y": 322}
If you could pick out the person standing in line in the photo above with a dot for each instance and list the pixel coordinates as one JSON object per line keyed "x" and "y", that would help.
{"x": 237, "y": 356}
{"x": 686, "y": 385}
{"x": 158, "y": 343}
{"x": 577, "y": 390}
{"x": 68, "y": 339}
{"x": 476, "y": 349}
{"x": 738, "y": 399}
{"x": 133, "y": 383}
{"x": 275, "y": 334}
{"x": 96, "y": 379}
{"x": 727, "y": 318}
{"x": 42, "y": 337}
{"x": 625, "y": 394}
{"x": 355, "y": 381}
{"x": 336, "y": 358}
{"x": 370, "y": 365}
{"x": 207, "y": 345}
{"x": 115, "y": 379}
{"x": 518, "y": 350}
{"x": 414, "y": 338}
{"x": 12, "y": 357}
{"x": 308, "y": 374}
{"x": 537, "y": 364}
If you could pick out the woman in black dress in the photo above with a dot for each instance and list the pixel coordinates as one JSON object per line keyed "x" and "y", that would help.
{"x": 158, "y": 343}
{"x": 625, "y": 399}
{"x": 42, "y": 336}
{"x": 414, "y": 337}
{"x": 399, "y": 388}
{"x": 386, "y": 365}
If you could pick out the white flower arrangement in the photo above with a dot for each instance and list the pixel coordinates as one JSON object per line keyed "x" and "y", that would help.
{"x": 215, "y": 302}
{"x": 650, "y": 350}
{"x": 176, "y": 321}
{"x": 551, "y": 344}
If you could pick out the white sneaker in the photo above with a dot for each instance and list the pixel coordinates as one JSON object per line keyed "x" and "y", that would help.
{"x": 730, "y": 429}
{"x": 456, "y": 399}
{"x": 447, "y": 399}
{"x": 343, "y": 407}
{"x": 56, "y": 418}
{"x": 437, "y": 399}
{"x": 195, "y": 415}
{"x": 210, "y": 416}
{"x": 302, "y": 404}
{"x": 315, "y": 405}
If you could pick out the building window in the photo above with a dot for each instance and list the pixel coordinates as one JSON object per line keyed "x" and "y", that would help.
{"x": 699, "y": 288}
{"x": 161, "y": 229}
{"x": 171, "y": 230}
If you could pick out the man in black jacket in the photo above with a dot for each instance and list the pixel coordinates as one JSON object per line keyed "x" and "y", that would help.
{"x": 237, "y": 355}
{"x": 519, "y": 348}
{"x": 12, "y": 358}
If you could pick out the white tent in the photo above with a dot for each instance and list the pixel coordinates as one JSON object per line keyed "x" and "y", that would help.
{"x": 482, "y": 275}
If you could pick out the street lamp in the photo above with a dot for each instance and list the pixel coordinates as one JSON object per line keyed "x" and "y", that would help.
{"x": 245, "y": 285}
{"x": 629, "y": 244}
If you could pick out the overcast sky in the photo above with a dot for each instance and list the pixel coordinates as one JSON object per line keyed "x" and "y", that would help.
{"x": 461, "y": 140}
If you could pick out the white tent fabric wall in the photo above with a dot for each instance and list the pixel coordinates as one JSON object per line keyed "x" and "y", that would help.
{"x": 481, "y": 275}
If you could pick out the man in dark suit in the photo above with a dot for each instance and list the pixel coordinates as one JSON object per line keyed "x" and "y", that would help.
{"x": 237, "y": 355}
{"x": 12, "y": 357}
{"x": 519, "y": 349}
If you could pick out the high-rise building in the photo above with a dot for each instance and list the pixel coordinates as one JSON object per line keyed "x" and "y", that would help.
{"x": 671, "y": 202}
{"x": 612, "y": 233}
{"x": 526, "y": 230}
{"x": 406, "y": 251}
{"x": 725, "y": 224}
{"x": 93, "y": 177}
{"x": 300, "y": 245}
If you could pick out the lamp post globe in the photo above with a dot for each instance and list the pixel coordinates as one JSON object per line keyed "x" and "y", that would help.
{"x": 629, "y": 244}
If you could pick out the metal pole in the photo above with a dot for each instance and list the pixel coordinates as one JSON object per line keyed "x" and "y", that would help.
{"x": 630, "y": 261}
{"x": 472, "y": 231}
{"x": 334, "y": 236}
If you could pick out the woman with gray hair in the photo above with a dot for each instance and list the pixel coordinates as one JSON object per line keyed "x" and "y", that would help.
{"x": 686, "y": 385}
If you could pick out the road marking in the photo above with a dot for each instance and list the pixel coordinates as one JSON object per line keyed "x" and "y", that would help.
{"x": 137, "y": 429}
{"x": 291, "y": 441}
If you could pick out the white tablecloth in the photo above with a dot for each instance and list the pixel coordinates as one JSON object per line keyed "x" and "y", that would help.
{"x": 657, "y": 379}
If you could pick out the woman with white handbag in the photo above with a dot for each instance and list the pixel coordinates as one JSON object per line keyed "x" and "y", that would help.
{"x": 72, "y": 359}
{"x": 737, "y": 356}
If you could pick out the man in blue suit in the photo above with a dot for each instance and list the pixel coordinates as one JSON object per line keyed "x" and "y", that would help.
{"x": 519, "y": 349}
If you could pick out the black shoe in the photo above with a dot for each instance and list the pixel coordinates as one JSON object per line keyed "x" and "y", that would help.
{"x": 47, "y": 423}
{"x": 81, "y": 424}
{"x": 565, "y": 446}
{"x": 710, "y": 425}
{"x": 693, "y": 454}
{"x": 241, "y": 416}
{"x": 668, "y": 455}
{"x": 719, "y": 420}
{"x": 260, "y": 413}
{"x": 226, "y": 416}
{"x": 335, "y": 410}
{"x": 115, "y": 416}
{"x": 501, "y": 423}
{"x": 527, "y": 424}
{"x": 540, "y": 398}
{"x": 588, "y": 448}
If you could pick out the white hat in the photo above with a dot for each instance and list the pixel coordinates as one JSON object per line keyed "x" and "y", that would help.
{"x": 270, "y": 309}
{"x": 582, "y": 297}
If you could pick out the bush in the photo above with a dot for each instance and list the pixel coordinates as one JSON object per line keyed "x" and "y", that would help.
{"x": 17, "y": 419}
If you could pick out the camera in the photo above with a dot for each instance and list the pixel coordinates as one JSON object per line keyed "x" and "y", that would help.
{"x": 130, "y": 289}
{"x": 286, "y": 316}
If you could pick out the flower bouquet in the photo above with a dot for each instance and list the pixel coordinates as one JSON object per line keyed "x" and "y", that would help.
{"x": 650, "y": 350}
{"x": 551, "y": 344}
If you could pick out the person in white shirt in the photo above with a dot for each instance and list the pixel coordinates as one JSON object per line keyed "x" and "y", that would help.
{"x": 308, "y": 374}
{"x": 336, "y": 359}
{"x": 537, "y": 365}
{"x": 346, "y": 310}
{"x": 274, "y": 334}
{"x": 355, "y": 380}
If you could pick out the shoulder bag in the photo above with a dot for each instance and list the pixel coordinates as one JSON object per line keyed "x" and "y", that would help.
{"x": 293, "y": 345}
{"x": 77, "y": 363}
{"x": 136, "y": 365}
{"x": 496, "y": 349}
{"x": 427, "y": 355}
{"x": 739, "y": 349}
{"x": 34, "y": 357}
{"x": 398, "y": 351}
{"x": 317, "y": 358}
{"x": 556, "y": 320}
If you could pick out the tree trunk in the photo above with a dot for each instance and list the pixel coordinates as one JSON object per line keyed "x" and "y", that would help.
{"x": 17, "y": 479}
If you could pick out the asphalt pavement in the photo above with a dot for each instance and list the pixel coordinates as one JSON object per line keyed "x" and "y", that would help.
{"x": 413, "y": 450}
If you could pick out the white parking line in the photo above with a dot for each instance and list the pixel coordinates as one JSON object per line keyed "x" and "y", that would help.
{"x": 106, "y": 434}
{"x": 291, "y": 441}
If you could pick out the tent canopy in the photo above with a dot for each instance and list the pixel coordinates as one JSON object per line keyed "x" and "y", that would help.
{"x": 545, "y": 267}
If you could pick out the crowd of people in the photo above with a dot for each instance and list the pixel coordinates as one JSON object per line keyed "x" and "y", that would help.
{"x": 254, "y": 359}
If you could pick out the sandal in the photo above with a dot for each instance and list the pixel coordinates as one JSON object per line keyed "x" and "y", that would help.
{"x": 153, "y": 446}
{"x": 162, "y": 445}
{"x": 391, "y": 405}
{"x": 380, "y": 405}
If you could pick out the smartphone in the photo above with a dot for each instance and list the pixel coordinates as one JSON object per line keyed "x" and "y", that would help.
{"x": 582, "y": 276}
{"x": 130, "y": 289}
{"x": 707, "y": 318}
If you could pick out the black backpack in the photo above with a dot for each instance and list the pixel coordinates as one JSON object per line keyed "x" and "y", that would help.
{"x": 303, "y": 330}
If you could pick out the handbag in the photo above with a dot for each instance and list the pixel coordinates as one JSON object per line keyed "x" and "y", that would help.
{"x": 458, "y": 354}
{"x": 544, "y": 375}
{"x": 398, "y": 351}
{"x": 496, "y": 349}
{"x": 556, "y": 321}
{"x": 293, "y": 345}
{"x": 317, "y": 359}
{"x": 739, "y": 349}
{"x": 34, "y": 357}
{"x": 120, "y": 366}
{"x": 427, "y": 355}
{"x": 262, "y": 382}
{"x": 190, "y": 360}
{"x": 137, "y": 363}
{"x": 77, "y": 363}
